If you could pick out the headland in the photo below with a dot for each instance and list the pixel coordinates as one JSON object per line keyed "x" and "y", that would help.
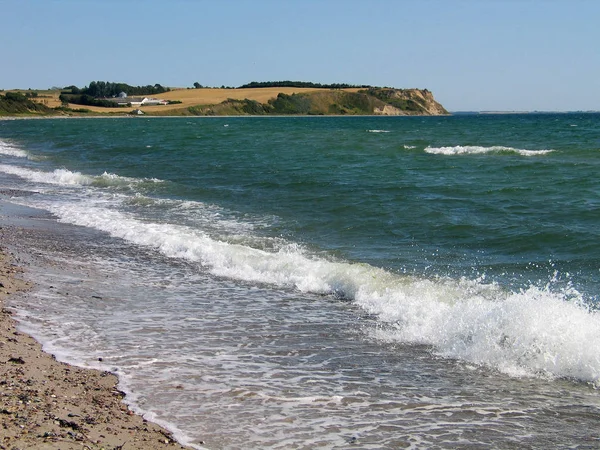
{"x": 257, "y": 99}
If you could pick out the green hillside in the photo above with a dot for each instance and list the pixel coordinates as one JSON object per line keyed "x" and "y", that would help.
{"x": 16, "y": 103}
{"x": 371, "y": 101}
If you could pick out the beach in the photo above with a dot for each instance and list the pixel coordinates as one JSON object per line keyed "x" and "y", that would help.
{"x": 47, "y": 404}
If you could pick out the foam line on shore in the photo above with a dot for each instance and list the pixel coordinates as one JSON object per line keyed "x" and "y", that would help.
{"x": 465, "y": 319}
{"x": 83, "y": 405}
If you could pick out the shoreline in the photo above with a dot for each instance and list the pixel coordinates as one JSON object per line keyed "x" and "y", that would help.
{"x": 48, "y": 404}
{"x": 152, "y": 116}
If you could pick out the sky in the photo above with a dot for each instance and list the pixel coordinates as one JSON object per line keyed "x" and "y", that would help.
{"x": 474, "y": 55}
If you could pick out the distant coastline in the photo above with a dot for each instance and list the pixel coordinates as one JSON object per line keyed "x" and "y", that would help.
{"x": 243, "y": 101}
{"x": 464, "y": 113}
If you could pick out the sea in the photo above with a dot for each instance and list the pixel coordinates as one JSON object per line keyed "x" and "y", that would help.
{"x": 323, "y": 282}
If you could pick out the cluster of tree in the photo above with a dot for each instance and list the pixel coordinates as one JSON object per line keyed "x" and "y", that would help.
{"x": 101, "y": 89}
{"x": 338, "y": 102}
{"x": 300, "y": 84}
{"x": 84, "y": 99}
{"x": 199, "y": 86}
{"x": 291, "y": 104}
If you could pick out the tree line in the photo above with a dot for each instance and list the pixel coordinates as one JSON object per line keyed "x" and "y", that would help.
{"x": 301, "y": 84}
{"x": 99, "y": 89}
{"x": 87, "y": 100}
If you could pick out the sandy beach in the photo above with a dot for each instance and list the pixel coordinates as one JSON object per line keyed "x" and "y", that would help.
{"x": 46, "y": 404}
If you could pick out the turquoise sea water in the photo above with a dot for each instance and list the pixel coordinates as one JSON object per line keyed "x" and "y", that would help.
{"x": 373, "y": 282}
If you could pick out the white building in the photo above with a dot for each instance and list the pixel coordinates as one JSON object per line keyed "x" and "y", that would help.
{"x": 123, "y": 100}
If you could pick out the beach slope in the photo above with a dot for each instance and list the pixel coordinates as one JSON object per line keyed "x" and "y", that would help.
{"x": 46, "y": 404}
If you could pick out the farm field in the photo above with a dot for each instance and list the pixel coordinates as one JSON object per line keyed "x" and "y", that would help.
{"x": 187, "y": 97}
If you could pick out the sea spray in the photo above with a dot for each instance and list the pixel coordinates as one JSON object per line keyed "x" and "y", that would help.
{"x": 533, "y": 332}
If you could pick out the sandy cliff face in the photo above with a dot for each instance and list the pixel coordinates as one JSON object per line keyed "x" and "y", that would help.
{"x": 406, "y": 102}
{"x": 425, "y": 98}
{"x": 388, "y": 110}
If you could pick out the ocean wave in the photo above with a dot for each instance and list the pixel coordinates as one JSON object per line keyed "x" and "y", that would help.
{"x": 533, "y": 332}
{"x": 113, "y": 180}
{"x": 58, "y": 176}
{"x": 11, "y": 150}
{"x": 477, "y": 150}
{"x": 66, "y": 177}
{"x": 378, "y": 131}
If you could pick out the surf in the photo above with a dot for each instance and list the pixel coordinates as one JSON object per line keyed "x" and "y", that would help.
{"x": 537, "y": 331}
{"x": 480, "y": 150}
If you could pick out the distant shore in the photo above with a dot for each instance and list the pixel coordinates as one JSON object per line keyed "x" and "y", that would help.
{"x": 46, "y": 404}
{"x": 263, "y": 101}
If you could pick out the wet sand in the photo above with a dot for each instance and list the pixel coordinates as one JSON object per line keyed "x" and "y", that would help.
{"x": 47, "y": 404}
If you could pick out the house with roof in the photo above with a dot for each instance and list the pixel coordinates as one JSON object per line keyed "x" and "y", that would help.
{"x": 124, "y": 100}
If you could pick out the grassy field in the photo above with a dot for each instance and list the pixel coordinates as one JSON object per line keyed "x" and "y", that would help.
{"x": 187, "y": 97}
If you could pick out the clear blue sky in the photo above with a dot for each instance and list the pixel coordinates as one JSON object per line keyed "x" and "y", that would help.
{"x": 472, "y": 54}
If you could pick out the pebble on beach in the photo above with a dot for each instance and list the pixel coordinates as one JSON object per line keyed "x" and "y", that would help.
{"x": 46, "y": 404}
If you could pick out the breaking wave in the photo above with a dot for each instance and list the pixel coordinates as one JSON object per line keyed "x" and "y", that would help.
{"x": 11, "y": 150}
{"x": 66, "y": 177}
{"x": 533, "y": 332}
{"x": 538, "y": 331}
{"x": 477, "y": 150}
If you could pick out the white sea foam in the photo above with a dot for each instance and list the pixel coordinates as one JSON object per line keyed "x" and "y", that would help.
{"x": 536, "y": 331}
{"x": 66, "y": 177}
{"x": 59, "y": 176}
{"x": 477, "y": 150}
{"x": 409, "y": 147}
{"x": 10, "y": 150}
{"x": 307, "y": 400}
{"x": 532, "y": 332}
{"x": 378, "y": 131}
{"x": 110, "y": 179}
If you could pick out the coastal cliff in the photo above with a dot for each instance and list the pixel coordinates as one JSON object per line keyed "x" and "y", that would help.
{"x": 272, "y": 100}
{"x": 372, "y": 101}
{"x": 407, "y": 101}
